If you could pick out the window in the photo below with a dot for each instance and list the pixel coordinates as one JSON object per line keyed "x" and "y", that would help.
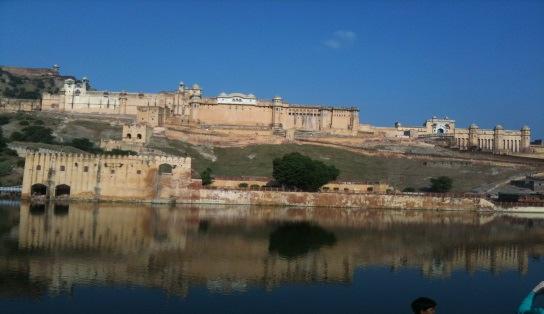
{"x": 62, "y": 168}
{"x": 38, "y": 167}
{"x": 85, "y": 168}
{"x": 138, "y": 171}
{"x": 129, "y": 136}
{"x": 370, "y": 189}
{"x": 139, "y": 136}
{"x": 112, "y": 171}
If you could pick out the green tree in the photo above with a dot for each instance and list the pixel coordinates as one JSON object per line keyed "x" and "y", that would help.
{"x": 298, "y": 171}
{"x": 206, "y": 176}
{"x": 35, "y": 133}
{"x": 441, "y": 184}
{"x": 121, "y": 152}
{"x": 85, "y": 145}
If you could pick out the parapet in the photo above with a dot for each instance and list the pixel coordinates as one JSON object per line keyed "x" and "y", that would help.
{"x": 102, "y": 157}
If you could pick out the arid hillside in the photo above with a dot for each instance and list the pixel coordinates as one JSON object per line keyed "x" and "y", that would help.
{"x": 400, "y": 164}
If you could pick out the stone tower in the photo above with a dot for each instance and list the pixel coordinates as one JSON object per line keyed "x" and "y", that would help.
{"x": 194, "y": 102}
{"x": 525, "y": 139}
{"x": 498, "y": 135}
{"x": 473, "y": 135}
{"x": 276, "y": 107}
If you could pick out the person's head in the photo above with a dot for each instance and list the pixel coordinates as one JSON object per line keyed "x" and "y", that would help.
{"x": 423, "y": 305}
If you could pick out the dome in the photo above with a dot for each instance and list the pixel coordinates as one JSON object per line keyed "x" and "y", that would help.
{"x": 223, "y": 94}
{"x": 277, "y": 97}
{"x": 499, "y": 127}
{"x": 195, "y": 86}
{"x": 84, "y": 78}
{"x": 525, "y": 128}
{"x": 473, "y": 126}
{"x": 181, "y": 83}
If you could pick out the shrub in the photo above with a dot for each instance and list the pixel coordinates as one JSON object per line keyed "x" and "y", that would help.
{"x": 206, "y": 176}
{"x": 38, "y": 122}
{"x": 298, "y": 171}
{"x": 24, "y": 122}
{"x": 21, "y": 162}
{"x": 409, "y": 189}
{"x": 242, "y": 185}
{"x": 34, "y": 133}
{"x": 4, "y": 120}
{"x": 441, "y": 184}
{"x": 121, "y": 152}
{"x": 255, "y": 186}
{"x": 5, "y": 168}
{"x": 17, "y": 136}
{"x": 10, "y": 152}
{"x": 85, "y": 145}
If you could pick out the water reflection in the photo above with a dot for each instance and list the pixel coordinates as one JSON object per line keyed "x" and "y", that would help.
{"x": 229, "y": 250}
{"x": 295, "y": 239}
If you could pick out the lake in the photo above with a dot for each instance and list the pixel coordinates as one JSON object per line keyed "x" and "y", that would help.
{"x": 119, "y": 258}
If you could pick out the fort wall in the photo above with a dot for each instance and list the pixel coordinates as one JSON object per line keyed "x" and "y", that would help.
{"x": 168, "y": 179}
{"x": 99, "y": 177}
{"x": 15, "y": 104}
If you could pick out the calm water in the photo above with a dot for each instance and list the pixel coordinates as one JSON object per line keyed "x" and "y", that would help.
{"x": 89, "y": 258}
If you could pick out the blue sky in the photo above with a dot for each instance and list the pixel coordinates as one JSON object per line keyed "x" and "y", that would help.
{"x": 474, "y": 61}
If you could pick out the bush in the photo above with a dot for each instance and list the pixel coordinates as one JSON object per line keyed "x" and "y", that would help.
{"x": 255, "y": 186}
{"x": 85, "y": 145}
{"x": 5, "y": 168}
{"x": 298, "y": 171}
{"x": 206, "y": 176}
{"x": 21, "y": 162}
{"x": 242, "y": 185}
{"x": 10, "y": 152}
{"x": 38, "y": 122}
{"x": 441, "y": 184}
{"x": 17, "y": 136}
{"x": 4, "y": 120}
{"x": 409, "y": 189}
{"x": 121, "y": 152}
{"x": 34, "y": 133}
{"x": 24, "y": 123}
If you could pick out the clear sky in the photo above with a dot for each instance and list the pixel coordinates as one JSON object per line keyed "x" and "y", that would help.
{"x": 474, "y": 61}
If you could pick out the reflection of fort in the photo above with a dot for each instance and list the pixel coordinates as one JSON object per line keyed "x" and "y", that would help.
{"x": 175, "y": 249}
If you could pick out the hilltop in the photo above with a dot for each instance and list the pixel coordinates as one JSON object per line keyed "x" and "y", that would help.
{"x": 29, "y": 83}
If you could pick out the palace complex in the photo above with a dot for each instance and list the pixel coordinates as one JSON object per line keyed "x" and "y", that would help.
{"x": 188, "y": 106}
{"x": 246, "y": 115}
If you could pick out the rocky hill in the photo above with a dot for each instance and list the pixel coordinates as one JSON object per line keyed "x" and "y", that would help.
{"x": 29, "y": 83}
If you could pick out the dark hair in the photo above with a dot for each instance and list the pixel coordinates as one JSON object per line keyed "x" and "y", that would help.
{"x": 422, "y": 304}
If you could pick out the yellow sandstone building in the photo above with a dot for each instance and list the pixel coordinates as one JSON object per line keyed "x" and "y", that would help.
{"x": 188, "y": 106}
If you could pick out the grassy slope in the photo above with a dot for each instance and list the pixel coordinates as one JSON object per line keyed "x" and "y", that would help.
{"x": 398, "y": 172}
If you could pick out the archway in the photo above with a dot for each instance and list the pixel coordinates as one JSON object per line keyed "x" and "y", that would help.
{"x": 139, "y": 136}
{"x": 129, "y": 136}
{"x": 38, "y": 189}
{"x": 165, "y": 169}
{"x": 62, "y": 189}
{"x": 440, "y": 131}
